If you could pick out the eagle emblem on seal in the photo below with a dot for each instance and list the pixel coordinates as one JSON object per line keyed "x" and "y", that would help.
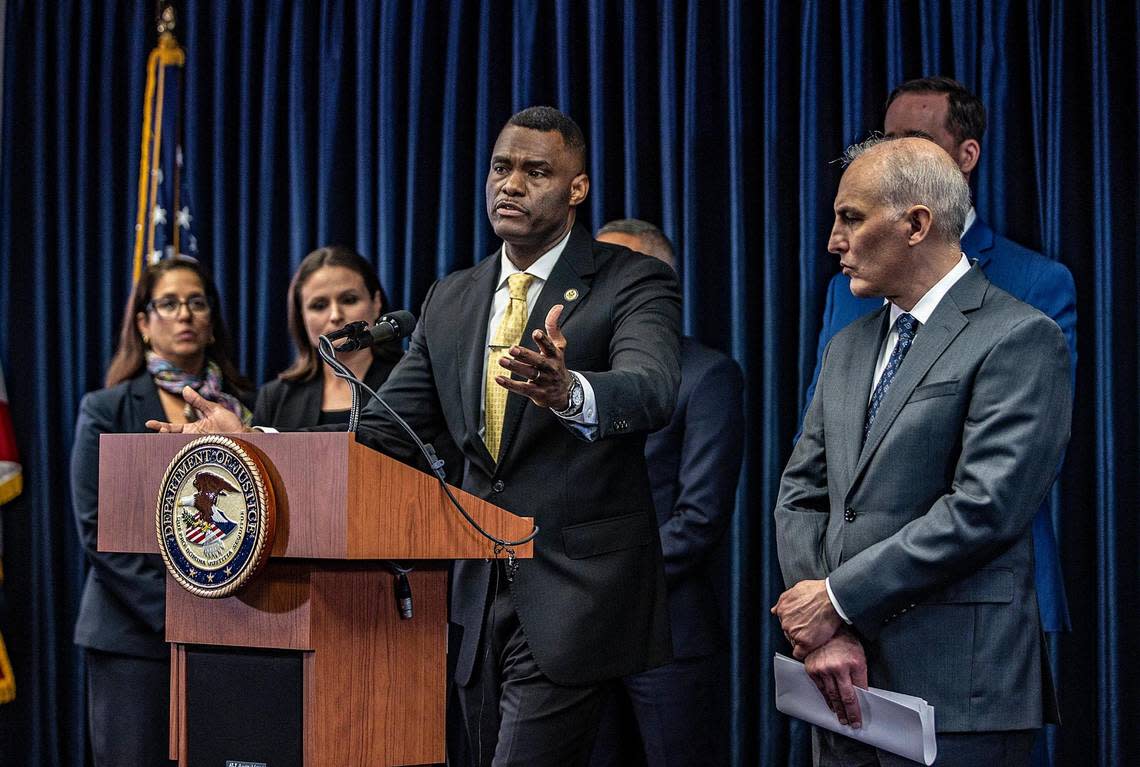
{"x": 206, "y": 523}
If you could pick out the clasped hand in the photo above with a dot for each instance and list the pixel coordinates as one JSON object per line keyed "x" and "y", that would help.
{"x": 807, "y": 616}
{"x": 833, "y": 656}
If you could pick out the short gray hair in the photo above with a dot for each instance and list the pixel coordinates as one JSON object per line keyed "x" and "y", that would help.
{"x": 913, "y": 177}
{"x": 659, "y": 245}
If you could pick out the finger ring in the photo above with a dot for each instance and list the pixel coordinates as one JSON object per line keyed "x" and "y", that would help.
{"x": 537, "y": 376}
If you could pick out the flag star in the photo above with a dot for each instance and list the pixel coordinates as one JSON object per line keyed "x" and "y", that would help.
{"x": 157, "y": 173}
{"x": 229, "y": 571}
{"x": 158, "y": 215}
{"x": 210, "y": 577}
{"x": 192, "y": 573}
{"x": 183, "y": 218}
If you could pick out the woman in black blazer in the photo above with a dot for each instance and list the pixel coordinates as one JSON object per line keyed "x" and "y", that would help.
{"x": 333, "y": 286}
{"x": 172, "y": 335}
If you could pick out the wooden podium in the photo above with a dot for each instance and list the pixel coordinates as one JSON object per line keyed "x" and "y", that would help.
{"x": 373, "y": 685}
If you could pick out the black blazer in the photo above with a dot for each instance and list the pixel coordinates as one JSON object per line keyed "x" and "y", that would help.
{"x": 592, "y": 601}
{"x": 123, "y": 607}
{"x": 694, "y": 465}
{"x": 297, "y": 404}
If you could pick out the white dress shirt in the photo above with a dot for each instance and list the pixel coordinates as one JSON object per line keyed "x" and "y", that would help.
{"x": 921, "y": 312}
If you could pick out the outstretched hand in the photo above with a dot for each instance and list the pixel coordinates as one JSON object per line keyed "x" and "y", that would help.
{"x": 548, "y": 380}
{"x": 215, "y": 418}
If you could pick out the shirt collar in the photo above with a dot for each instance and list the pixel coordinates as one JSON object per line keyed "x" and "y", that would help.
{"x": 971, "y": 217}
{"x": 929, "y": 302}
{"x": 540, "y": 269}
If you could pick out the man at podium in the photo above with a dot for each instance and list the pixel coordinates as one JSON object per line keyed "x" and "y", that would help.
{"x": 547, "y": 364}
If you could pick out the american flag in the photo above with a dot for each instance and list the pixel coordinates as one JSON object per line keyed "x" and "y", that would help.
{"x": 11, "y": 483}
{"x": 204, "y": 533}
{"x": 163, "y": 222}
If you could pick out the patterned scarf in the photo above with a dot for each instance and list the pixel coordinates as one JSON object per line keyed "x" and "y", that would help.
{"x": 172, "y": 379}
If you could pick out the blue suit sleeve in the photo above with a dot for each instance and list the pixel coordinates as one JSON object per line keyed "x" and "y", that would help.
{"x": 825, "y": 334}
{"x": 1055, "y": 294}
{"x": 826, "y": 331}
{"x": 711, "y": 452}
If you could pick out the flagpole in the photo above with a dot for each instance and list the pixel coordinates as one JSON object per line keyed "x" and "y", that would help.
{"x": 166, "y": 53}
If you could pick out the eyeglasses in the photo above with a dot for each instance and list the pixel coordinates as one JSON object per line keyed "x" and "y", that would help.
{"x": 167, "y": 308}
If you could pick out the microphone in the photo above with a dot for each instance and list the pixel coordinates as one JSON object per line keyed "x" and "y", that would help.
{"x": 349, "y": 330}
{"x": 403, "y": 591}
{"x": 398, "y": 324}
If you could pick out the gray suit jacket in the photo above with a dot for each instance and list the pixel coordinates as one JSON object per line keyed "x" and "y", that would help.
{"x": 924, "y": 530}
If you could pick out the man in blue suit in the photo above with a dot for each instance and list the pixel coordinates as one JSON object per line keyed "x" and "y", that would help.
{"x": 942, "y": 110}
{"x": 694, "y": 465}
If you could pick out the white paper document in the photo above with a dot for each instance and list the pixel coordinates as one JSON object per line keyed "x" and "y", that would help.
{"x": 892, "y": 721}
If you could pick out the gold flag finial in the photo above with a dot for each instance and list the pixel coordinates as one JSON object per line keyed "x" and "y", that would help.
{"x": 165, "y": 21}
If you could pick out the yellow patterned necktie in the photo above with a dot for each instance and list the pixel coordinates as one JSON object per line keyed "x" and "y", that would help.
{"x": 507, "y": 334}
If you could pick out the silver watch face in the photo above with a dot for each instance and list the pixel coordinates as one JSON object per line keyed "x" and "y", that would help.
{"x": 576, "y": 394}
{"x": 576, "y": 397}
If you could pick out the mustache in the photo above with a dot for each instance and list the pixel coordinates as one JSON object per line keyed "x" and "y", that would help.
{"x": 500, "y": 204}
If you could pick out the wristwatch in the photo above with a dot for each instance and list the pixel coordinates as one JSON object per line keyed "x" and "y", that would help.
{"x": 576, "y": 400}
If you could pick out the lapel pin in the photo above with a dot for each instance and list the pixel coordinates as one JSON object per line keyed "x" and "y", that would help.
{"x": 570, "y": 294}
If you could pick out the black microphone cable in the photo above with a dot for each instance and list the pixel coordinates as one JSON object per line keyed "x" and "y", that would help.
{"x": 402, "y": 589}
{"x": 328, "y": 354}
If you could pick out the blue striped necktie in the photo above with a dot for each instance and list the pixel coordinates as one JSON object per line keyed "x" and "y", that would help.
{"x": 907, "y": 326}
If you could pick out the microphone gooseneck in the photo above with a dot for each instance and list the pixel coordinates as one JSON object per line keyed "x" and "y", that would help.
{"x": 404, "y": 322}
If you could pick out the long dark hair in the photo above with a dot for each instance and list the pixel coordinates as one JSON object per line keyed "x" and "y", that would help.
{"x": 308, "y": 363}
{"x": 130, "y": 357}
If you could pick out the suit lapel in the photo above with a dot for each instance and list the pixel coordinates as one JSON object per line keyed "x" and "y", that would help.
{"x": 309, "y": 402}
{"x": 864, "y": 354}
{"x": 576, "y": 262}
{"x": 147, "y": 405}
{"x": 471, "y": 352}
{"x": 945, "y": 324}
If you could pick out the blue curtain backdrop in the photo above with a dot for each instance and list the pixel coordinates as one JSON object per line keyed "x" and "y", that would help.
{"x": 370, "y": 123}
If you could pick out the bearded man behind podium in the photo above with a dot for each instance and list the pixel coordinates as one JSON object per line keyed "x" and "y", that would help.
{"x": 903, "y": 516}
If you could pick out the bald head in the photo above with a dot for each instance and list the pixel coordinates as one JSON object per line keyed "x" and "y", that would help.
{"x": 641, "y": 236}
{"x": 899, "y": 212}
{"x": 916, "y": 171}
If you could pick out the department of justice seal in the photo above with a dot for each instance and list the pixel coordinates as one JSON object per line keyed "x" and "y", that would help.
{"x": 215, "y": 516}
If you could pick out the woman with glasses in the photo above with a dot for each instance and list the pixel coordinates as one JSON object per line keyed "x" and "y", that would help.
{"x": 172, "y": 336}
{"x": 332, "y": 287}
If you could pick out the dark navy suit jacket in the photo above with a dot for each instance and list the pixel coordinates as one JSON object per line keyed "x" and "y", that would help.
{"x": 1038, "y": 281}
{"x": 694, "y": 464}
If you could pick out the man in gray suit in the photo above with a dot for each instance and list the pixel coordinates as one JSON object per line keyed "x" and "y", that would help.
{"x": 903, "y": 516}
